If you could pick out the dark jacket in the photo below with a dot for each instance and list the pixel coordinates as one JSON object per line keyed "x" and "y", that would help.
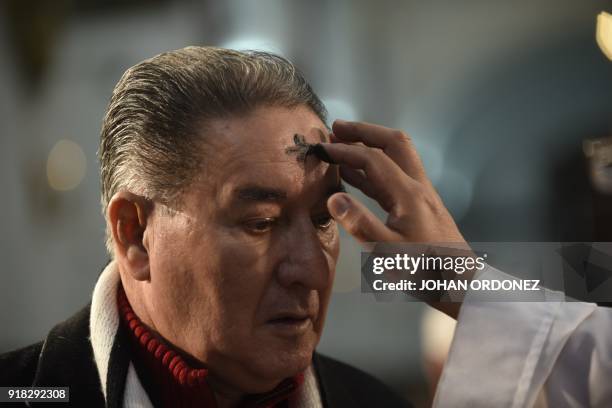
{"x": 65, "y": 358}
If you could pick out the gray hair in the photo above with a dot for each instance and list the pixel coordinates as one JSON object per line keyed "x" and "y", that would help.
{"x": 150, "y": 141}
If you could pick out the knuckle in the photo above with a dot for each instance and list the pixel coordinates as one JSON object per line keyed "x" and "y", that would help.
{"x": 377, "y": 154}
{"x": 363, "y": 148}
{"x": 372, "y": 158}
{"x": 417, "y": 193}
{"x": 399, "y": 136}
{"x": 356, "y": 225}
{"x": 429, "y": 201}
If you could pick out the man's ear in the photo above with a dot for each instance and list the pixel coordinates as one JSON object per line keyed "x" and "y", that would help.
{"x": 128, "y": 214}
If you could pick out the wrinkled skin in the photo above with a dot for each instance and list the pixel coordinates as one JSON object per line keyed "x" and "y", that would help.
{"x": 239, "y": 281}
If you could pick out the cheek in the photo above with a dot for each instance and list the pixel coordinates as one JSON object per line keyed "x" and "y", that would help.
{"x": 181, "y": 280}
{"x": 184, "y": 272}
{"x": 208, "y": 289}
{"x": 331, "y": 246}
{"x": 241, "y": 273}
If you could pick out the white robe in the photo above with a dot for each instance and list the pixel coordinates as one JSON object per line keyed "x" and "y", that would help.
{"x": 529, "y": 354}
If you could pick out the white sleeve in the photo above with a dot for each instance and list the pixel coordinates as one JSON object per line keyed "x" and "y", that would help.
{"x": 581, "y": 376}
{"x": 512, "y": 354}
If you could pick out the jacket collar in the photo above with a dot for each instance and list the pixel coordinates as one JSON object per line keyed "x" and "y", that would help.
{"x": 66, "y": 359}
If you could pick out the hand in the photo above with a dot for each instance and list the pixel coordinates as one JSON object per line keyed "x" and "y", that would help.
{"x": 384, "y": 164}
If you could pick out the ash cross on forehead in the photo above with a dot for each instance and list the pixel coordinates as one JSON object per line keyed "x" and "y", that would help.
{"x": 302, "y": 149}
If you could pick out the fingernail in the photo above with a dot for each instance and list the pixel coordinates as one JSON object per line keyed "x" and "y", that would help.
{"x": 319, "y": 151}
{"x": 340, "y": 122}
{"x": 339, "y": 206}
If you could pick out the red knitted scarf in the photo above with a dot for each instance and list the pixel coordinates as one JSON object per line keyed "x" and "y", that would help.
{"x": 180, "y": 383}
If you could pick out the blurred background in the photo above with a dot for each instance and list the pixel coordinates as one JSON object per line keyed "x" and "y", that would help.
{"x": 509, "y": 104}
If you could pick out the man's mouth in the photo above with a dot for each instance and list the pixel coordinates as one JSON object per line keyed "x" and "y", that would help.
{"x": 291, "y": 323}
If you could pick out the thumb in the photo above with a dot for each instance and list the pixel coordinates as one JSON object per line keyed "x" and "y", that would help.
{"x": 357, "y": 220}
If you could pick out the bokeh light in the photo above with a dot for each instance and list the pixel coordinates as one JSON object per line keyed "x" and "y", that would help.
{"x": 66, "y": 165}
{"x": 604, "y": 33}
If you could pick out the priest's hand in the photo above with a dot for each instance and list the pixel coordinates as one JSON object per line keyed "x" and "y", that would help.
{"x": 383, "y": 164}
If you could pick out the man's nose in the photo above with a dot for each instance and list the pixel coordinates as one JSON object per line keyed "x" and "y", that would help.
{"x": 305, "y": 262}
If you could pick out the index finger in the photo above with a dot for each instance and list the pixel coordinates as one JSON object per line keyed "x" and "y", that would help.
{"x": 383, "y": 180}
{"x": 394, "y": 143}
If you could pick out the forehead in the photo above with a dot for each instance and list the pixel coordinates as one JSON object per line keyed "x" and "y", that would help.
{"x": 259, "y": 148}
{"x": 266, "y": 130}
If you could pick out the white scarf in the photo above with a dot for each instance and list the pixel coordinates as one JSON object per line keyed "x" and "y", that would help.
{"x": 104, "y": 323}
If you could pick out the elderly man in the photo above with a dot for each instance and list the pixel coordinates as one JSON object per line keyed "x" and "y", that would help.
{"x": 221, "y": 189}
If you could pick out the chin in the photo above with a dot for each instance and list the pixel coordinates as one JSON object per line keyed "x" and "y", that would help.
{"x": 293, "y": 362}
{"x": 278, "y": 363}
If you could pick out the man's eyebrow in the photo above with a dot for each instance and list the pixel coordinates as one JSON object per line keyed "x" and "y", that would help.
{"x": 257, "y": 193}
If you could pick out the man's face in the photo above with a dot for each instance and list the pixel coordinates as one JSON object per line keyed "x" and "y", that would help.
{"x": 241, "y": 275}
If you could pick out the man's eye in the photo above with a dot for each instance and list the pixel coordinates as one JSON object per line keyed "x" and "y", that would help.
{"x": 259, "y": 225}
{"x": 323, "y": 222}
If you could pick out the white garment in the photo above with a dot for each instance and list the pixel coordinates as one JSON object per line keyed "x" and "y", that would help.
{"x": 529, "y": 354}
{"x": 104, "y": 322}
